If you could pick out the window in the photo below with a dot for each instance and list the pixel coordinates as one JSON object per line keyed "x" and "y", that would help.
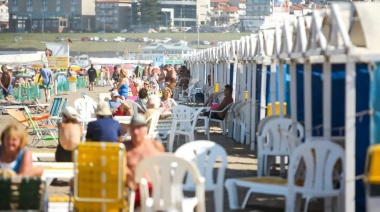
{"x": 15, "y": 9}
{"x": 73, "y": 8}
{"x": 14, "y": 2}
{"x": 44, "y": 9}
{"x": 54, "y": 23}
{"x": 59, "y": 1}
{"x": 43, "y": 2}
{"x": 62, "y": 23}
{"x": 74, "y": 1}
{"x": 59, "y": 9}
{"x": 29, "y": 2}
{"x": 29, "y": 9}
{"x": 47, "y": 23}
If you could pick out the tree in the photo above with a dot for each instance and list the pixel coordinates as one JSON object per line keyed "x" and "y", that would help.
{"x": 150, "y": 12}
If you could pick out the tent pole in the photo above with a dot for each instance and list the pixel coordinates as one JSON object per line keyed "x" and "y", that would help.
{"x": 327, "y": 99}
{"x": 273, "y": 86}
{"x": 253, "y": 106}
{"x": 281, "y": 87}
{"x": 249, "y": 85}
{"x": 263, "y": 102}
{"x": 348, "y": 204}
{"x": 293, "y": 95}
{"x": 308, "y": 104}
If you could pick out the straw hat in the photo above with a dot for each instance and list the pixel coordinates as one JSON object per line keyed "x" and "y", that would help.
{"x": 103, "y": 109}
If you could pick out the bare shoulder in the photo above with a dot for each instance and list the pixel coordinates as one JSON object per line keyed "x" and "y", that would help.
{"x": 158, "y": 145}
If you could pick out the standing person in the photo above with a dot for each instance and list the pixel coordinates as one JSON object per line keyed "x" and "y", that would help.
{"x": 161, "y": 79}
{"x": 116, "y": 74}
{"x": 6, "y": 81}
{"x": 108, "y": 79}
{"x": 91, "y": 73}
{"x": 171, "y": 78}
{"x": 123, "y": 84}
{"x": 47, "y": 80}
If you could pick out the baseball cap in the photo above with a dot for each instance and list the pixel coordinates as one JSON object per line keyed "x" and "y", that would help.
{"x": 138, "y": 120}
{"x": 70, "y": 112}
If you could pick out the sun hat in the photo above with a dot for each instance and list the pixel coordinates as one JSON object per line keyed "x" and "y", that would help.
{"x": 114, "y": 93}
{"x": 138, "y": 120}
{"x": 103, "y": 109}
{"x": 70, "y": 112}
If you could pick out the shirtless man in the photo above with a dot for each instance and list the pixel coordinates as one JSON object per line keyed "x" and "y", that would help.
{"x": 139, "y": 148}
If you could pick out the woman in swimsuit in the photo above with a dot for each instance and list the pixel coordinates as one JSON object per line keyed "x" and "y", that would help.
{"x": 14, "y": 155}
{"x": 123, "y": 84}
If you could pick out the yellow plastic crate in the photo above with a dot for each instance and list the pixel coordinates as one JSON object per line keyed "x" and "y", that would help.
{"x": 269, "y": 108}
{"x": 72, "y": 79}
{"x": 99, "y": 173}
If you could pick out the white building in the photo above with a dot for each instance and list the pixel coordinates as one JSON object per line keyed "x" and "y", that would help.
{"x": 173, "y": 51}
{"x": 224, "y": 14}
{"x": 4, "y": 16}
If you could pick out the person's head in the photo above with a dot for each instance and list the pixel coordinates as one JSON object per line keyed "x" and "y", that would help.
{"x": 13, "y": 138}
{"x": 123, "y": 73}
{"x": 138, "y": 129}
{"x": 167, "y": 93}
{"x": 114, "y": 95}
{"x": 4, "y": 69}
{"x": 70, "y": 115}
{"x": 92, "y": 65}
{"x": 153, "y": 102}
{"x": 103, "y": 110}
{"x": 146, "y": 85}
{"x": 228, "y": 90}
{"x": 143, "y": 93}
{"x": 45, "y": 65}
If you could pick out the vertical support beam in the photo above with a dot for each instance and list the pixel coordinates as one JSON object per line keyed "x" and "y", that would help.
{"x": 327, "y": 99}
{"x": 308, "y": 104}
{"x": 293, "y": 95}
{"x": 273, "y": 86}
{"x": 228, "y": 75}
{"x": 253, "y": 105}
{"x": 263, "y": 96}
{"x": 281, "y": 86}
{"x": 350, "y": 137}
{"x": 249, "y": 85}
{"x": 234, "y": 80}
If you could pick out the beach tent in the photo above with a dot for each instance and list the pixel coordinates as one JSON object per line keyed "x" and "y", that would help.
{"x": 37, "y": 57}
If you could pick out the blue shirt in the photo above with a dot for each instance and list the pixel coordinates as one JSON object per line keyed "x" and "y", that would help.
{"x": 45, "y": 74}
{"x": 114, "y": 104}
{"x": 104, "y": 129}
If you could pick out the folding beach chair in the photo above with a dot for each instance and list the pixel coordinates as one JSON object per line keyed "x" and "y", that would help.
{"x": 100, "y": 178}
{"x": 22, "y": 193}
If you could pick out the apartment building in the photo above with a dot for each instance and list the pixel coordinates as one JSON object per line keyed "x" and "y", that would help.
{"x": 112, "y": 15}
{"x": 4, "y": 16}
{"x": 177, "y": 13}
{"x": 224, "y": 14}
{"x": 51, "y": 15}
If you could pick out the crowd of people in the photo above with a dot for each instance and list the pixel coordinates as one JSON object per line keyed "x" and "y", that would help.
{"x": 146, "y": 84}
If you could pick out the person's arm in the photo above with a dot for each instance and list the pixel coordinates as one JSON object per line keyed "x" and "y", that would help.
{"x": 10, "y": 80}
{"x": 26, "y": 167}
{"x": 160, "y": 147}
{"x": 223, "y": 104}
{"x": 39, "y": 78}
{"x": 120, "y": 135}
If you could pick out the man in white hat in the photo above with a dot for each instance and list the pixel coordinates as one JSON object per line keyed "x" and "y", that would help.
{"x": 105, "y": 128}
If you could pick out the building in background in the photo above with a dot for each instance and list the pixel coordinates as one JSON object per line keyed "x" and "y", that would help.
{"x": 224, "y": 14}
{"x": 113, "y": 15}
{"x": 4, "y": 16}
{"x": 51, "y": 15}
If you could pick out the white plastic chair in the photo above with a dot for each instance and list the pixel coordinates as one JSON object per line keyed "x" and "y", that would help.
{"x": 221, "y": 122}
{"x": 85, "y": 109}
{"x": 231, "y": 119}
{"x": 237, "y": 113}
{"x": 182, "y": 98}
{"x": 166, "y": 173}
{"x": 184, "y": 123}
{"x": 323, "y": 165}
{"x": 272, "y": 140}
{"x": 90, "y": 100}
{"x": 205, "y": 154}
{"x": 153, "y": 119}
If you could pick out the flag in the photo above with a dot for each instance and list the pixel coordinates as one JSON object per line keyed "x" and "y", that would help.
{"x": 69, "y": 40}
{"x": 58, "y": 50}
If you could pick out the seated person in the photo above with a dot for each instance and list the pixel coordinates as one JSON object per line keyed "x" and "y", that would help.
{"x": 167, "y": 103}
{"x": 226, "y": 101}
{"x": 143, "y": 99}
{"x": 118, "y": 106}
{"x": 104, "y": 128}
{"x": 139, "y": 148}
{"x": 13, "y": 152}
{"x": 153, "y": 105}
{"x": 69, "y": 135}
